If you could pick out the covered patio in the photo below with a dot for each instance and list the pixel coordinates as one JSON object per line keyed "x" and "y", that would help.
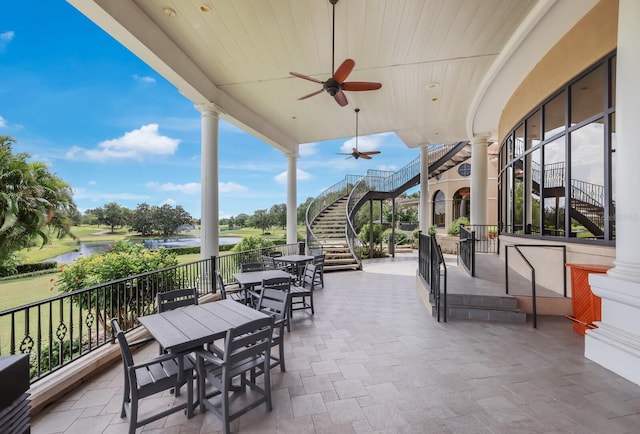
{"x": 372, "y": 359}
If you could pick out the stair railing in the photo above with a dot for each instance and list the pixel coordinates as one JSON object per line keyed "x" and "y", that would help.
{"x": 533, "y": 272}
{"x": 324, "y": 200}
{"x": 431, "y": 267}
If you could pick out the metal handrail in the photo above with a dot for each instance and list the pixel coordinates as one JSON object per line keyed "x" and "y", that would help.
{"x": 533, "y": 272}
{"x": 430, "y": 264}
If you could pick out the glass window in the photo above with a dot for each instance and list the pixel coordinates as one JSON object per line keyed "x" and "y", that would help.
{"x": 533, "y": 180}
{"x": 533, "y": 130}
{"x": 553, "y": 173}
{"x": 587, "y": 96}
{"x": 612, "y": 201}
{"x": 438, "y": 209}
{"x": 461, "y": 202}
{"x": 518, "y": 146}
{"x": 464, "y": 169}
{"x": 518, "y": 196}
{"x": 587, "y": 181}
{"x": 554, "y": 119}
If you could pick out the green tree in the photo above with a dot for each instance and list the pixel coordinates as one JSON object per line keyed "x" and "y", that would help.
{"x": 114, "y": 215}
{"x": 169, "y": 219}
{"x": 142, "y": 219}
{"x": 278, "y": 215}
{"x": 262, "y": 220}
{"x": 93, "y": 216}
{"x": 242, "y": 220}
{"x": 302, "y": 210}
{"x": 33, "y": 201}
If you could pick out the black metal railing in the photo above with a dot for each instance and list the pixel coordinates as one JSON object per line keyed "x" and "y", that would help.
{"x": 532, "y": 269}
{"x": 58, "y": 330}
{"x": 467, "y": 250}
{"x": 486, "y": 238}
{"x": 433, "y": 271}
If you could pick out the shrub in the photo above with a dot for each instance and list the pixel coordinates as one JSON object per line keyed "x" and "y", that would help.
{"x": 433, "y": 229}
{"x": 252, "y": 242}
{"x": 38, "y": 266}
{"x": 454, "y": 229}
{"x": 364, "y": 234}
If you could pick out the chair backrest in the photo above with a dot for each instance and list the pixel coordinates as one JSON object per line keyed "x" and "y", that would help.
{"x": 125, "y": 351}
{"x": 318, "y": 261}
{"x": 170, "y": 300}
{"x": 221, "y": 287}
{"x": 309, "y": 276}
{"x": 278, "y": 283}
{"x": 268, "y": 263}
{"x": 275, "y": 254}
{"x": 247, "y": 341}
{"x": 275, "y": 303}
{"x": 251, "y": 266}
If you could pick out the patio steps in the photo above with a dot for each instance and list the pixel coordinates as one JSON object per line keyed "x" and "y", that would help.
{"x": 482, "y": 308}
{"x": 329, "y": 228}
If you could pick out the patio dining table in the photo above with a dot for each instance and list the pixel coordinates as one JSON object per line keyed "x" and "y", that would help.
{"x": 297, "y": 262}
{"x": 190, "y": 327}
{"x": 250, "y": 279}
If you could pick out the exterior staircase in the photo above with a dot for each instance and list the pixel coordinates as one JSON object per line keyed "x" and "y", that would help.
{"x": 329, "y": 229}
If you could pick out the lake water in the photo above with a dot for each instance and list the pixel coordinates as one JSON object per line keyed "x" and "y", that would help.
{"x": 89, "y": 248}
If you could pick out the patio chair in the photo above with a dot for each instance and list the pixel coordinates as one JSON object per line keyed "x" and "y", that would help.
{"x": 282, "y": 284}
{"x": 275, "y": 254}
{"x": 318, "y": 261}
{"x": 174, "y": 299}
{"x": 141, "y": 380}
{"x": 251, "y": 266}
{"x": 237, "y": 294}
{"x": 245, "y": 348}
{"x": 302, "y": 295}
{"x": 268, "y": 263}
{"x": 275, "y": 302}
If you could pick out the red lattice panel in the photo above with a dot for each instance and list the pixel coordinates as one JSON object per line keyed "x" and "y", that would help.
{"x": 586, "y": 305}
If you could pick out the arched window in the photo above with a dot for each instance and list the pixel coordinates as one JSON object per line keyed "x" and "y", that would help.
{"x": 438, "y": 209}
{"x": 462, "y": 203}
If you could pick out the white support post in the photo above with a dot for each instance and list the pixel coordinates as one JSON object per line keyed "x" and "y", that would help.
{"x": 209, "y": 226}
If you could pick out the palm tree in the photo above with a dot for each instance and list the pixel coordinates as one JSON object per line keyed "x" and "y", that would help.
{"x": 33, "y": 202}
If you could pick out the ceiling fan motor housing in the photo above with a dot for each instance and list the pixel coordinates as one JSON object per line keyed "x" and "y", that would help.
{"x": 331, "y": 86}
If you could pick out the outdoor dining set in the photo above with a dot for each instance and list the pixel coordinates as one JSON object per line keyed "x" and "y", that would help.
{"x": 223, "y": 346}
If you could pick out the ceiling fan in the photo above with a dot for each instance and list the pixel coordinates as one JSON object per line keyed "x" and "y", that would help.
{"x": 356, "y": 153}
{"x": 337, "y": 84}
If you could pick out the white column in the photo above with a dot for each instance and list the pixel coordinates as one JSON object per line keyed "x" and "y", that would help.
{"x": 292, "y": 195}
{"x": 615, "y": 344}
{"x": 209, "y": 226}
{"x": 423, "y": 207}
{"x": 479, "y": 181}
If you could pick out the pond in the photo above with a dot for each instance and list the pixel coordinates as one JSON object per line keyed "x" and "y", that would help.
{"x": 89, "y": 248}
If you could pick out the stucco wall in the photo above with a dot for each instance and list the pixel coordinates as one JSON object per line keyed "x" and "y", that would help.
{"x": 592, "y": 38}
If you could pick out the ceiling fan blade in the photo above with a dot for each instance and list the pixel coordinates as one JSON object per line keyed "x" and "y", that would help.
{"x": 360, "y": 85}
{"x": 369, "y": 152}
{"x": 341, "y": 98}
{"x": 306, "y": 77}
{"x": 365, "y": 156}
{"x": 344, "y": 70}
{"x": 311, "y": 94}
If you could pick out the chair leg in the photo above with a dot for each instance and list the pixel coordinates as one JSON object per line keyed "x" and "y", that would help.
{"x": 281, "y": 348}
{"x": 267, "y": 383}
{"x": 225, "y": 406}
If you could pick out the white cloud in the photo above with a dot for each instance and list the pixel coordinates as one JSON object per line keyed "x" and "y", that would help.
{"x": 83, "y": 193}
{"x": 307, "y": 149}
{"x": 3, "y": 123}
{"x": 144, "y": 79}
{"x": 7, "y": 36}
{"x": 231, "y": 187}
{"x": 91, "y": 182}
{"x": 169, "y": 201}
{"x": 281, "y": 178}
{"x": 135, "y": 145}
{"x": 188, "y": 188}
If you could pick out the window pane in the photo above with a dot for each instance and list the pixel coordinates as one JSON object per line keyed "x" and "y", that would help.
{"x": 553, "y": 184}
{"x": 533, "y": 129}
{"x": 587, "y": 181}
{"x": 509, "y": 199}
{"x": 554, "y": 119}
{"x": 518, "y": 196}
{"x": 518, "y": 146}
{"x": 533, "y": 174}
{"x": 612, "y": 209}
{"x": 613, "y": 82}
{"x": 438, "y": 209}
{"x": 587, "y": 96}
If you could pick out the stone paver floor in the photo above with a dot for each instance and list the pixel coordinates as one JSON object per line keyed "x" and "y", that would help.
{"x": 372, "y": 359}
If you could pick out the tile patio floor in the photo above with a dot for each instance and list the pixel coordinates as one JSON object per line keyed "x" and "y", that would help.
{"x": 372, "y": 359}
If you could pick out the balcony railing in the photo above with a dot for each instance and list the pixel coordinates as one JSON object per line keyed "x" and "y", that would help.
{"x": 59, "y": 330}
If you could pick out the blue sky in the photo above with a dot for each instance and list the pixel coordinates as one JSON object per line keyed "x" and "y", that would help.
{"x": 117, "y": 131}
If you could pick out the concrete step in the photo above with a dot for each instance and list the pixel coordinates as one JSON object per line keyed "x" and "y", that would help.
{"x": 482, "y": 308}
